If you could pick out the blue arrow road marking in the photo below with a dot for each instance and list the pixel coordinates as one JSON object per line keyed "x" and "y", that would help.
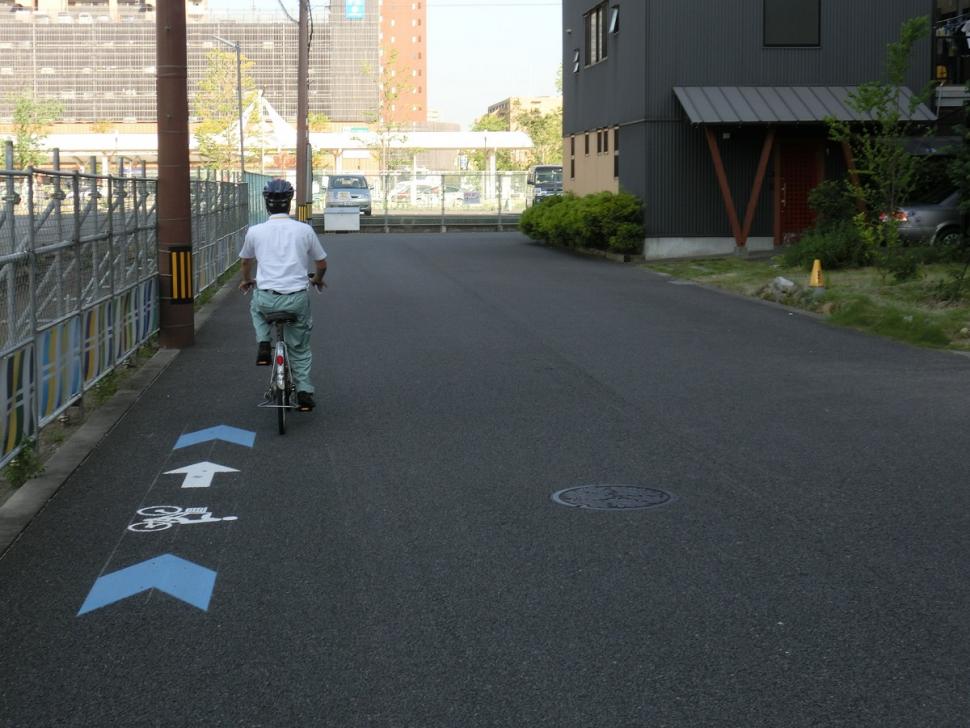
{"x": 176, "y": 577}
{"x": 222, "y": 432}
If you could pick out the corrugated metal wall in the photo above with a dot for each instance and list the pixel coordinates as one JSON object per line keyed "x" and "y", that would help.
{"x": 667, "y": 43}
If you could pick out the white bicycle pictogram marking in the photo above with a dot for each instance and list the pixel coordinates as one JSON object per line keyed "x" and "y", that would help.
{"x": 160, "y": 518}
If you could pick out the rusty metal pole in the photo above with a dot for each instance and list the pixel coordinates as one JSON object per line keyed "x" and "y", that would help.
{"x": 174, "y": 207}
{"x": 302, "y": 109}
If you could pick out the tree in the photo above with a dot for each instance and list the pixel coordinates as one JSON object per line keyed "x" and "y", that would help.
{"x": 217, "y": 107}
{"x": 887, "y": 172}
{"x": 31, "y": 122}
{"x": 317, "y": 121}
{"x": 503, "y": 157}
{"x": 386, "y": 130}
{"x": 959, "y": 174}
{"x": 545, "y": 130}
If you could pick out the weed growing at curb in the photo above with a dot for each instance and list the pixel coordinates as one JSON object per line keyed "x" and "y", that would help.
{"x": 26, "y": 465}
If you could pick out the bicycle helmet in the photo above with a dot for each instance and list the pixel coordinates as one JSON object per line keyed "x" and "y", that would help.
{"x": 278, "y": 193}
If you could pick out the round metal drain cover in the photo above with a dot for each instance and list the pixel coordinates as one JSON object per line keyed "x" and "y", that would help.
{"x": 612, "y": 497}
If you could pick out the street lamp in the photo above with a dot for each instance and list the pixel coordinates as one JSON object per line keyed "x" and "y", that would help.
{"x": 242, "y": 146}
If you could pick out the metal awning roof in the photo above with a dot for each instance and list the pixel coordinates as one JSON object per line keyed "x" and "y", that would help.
{"x": 779, "y": 104}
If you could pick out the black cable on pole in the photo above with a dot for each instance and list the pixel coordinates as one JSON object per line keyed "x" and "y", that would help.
{"x": 287, "y": 12}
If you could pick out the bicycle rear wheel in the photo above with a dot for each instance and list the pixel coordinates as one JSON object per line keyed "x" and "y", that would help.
{"x": 281, "y": 405}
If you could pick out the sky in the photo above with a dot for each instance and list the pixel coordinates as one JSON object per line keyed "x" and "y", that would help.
{"x": 479, "y": 51}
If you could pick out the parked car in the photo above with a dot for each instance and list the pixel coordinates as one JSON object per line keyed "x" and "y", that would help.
{"x": 349, "y": 190}
{"x": 931, "y": 222}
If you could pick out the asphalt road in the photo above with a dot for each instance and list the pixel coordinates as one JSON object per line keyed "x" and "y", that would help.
{"x": 397, "y": 558}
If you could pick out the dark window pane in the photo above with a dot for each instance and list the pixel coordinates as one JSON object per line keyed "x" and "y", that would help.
{"x": 792, "y": 22}
{"x": 616, "y": 139}
{"x": 587, "y": 144}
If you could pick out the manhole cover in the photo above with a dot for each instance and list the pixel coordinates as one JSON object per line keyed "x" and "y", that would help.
{"x": 612, "y": 497}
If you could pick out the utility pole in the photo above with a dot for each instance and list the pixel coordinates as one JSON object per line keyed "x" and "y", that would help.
{"x": 303, "y": 203}
{"x": 174, "y": 206}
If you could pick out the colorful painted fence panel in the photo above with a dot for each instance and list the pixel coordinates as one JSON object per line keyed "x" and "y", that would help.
{"x": 79, "y": 280}
{"x": 16, "y": 388}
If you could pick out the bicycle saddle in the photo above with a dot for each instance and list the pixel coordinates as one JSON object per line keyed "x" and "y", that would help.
{"x": 279, "y": 316}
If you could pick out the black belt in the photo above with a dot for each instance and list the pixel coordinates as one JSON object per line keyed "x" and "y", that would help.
{"x": 280, "y": 294}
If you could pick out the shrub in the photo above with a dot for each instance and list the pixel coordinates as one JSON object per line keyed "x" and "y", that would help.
{"x": 834, "y": 203}
{"x": 840, "y": 245}
{"x": 603, "y": 220}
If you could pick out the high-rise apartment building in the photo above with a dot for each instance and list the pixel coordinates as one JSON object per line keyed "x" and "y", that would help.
{"x": 97, "y": 58}
{"x": 404, "y": 57}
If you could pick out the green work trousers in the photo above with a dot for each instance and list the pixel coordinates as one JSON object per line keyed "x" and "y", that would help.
{"x": 297, "y": 334}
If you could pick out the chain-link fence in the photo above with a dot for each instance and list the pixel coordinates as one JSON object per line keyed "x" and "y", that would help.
{"x": 402, "y": 193}
{"x": 220, "y": 216}
{"x": 79, "y": 279}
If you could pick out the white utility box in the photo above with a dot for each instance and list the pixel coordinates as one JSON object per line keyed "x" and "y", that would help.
{"x": 339, "y": 219}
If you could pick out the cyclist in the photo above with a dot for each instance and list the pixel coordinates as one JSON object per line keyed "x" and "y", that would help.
{"x": 282, "y": 249}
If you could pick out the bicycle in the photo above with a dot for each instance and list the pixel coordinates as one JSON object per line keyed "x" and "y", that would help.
{"x": 281, "y": 388}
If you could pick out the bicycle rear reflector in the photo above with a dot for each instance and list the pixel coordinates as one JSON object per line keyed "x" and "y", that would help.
{"x": 279, "y": 360}
{"x": 181, "y": 267}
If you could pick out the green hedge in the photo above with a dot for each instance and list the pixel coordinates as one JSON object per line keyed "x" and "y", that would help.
{"x": 604, "y": 221}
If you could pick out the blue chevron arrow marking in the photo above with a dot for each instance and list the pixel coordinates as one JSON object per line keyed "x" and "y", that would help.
{"x": 176, "y": 577}
{"x": 222, "y": 432}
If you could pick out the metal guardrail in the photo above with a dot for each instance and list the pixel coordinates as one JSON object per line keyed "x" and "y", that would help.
{"x": 79, "y": 279}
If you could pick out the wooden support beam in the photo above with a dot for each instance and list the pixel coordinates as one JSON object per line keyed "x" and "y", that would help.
{"x": 725, "y": 189}
{"x": 777, "y": 196}
{"x": 756, "y": 188}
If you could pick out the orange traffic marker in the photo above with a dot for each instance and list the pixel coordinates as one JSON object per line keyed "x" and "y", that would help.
{"x": 815, "y": 280}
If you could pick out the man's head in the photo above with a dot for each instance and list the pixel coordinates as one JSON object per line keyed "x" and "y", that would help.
{"x": 277, "y": 193}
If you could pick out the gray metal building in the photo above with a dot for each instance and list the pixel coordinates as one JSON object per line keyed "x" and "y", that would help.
{"x": 659, "y": 96}
{"x": 104, "y": 70}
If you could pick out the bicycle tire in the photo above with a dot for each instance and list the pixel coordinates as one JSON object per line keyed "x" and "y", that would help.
{"x": 281, "y": 410}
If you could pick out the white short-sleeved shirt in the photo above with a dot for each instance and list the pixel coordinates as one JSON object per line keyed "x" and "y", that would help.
{"x": 285, "y": 251}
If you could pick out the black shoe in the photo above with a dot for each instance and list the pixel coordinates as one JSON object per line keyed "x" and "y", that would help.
{"x": 304, "y": 401}
{"x": 263, "y": 355}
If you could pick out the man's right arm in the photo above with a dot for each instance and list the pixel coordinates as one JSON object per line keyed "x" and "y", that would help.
{"x": 246, "y": 275}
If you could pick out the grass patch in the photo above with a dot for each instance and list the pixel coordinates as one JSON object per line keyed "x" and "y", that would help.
{"x": 860, "y": 298}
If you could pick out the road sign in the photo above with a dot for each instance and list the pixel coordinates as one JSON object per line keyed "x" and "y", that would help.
{"x": 201, "y": 474}
{"x": 176, "y": 577}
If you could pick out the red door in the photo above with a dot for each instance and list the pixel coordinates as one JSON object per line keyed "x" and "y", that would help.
{"x": 799, "y": 172}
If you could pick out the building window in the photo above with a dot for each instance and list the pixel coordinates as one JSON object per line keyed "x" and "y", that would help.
{"x": 572, "y": 139}
{"x": 572, "y": 169}
{"x": 599, "y": 142}
{"x": 606, "y": 140}
{"x": 616, "y": 139}
{"x": 587, "y": 144}
{"x": 616, "y": 166}
{"x": 792, "y": 22}
{"x": 596, "y": 34}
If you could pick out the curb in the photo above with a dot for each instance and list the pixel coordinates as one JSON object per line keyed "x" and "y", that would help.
{"x": 30, "y": 499}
